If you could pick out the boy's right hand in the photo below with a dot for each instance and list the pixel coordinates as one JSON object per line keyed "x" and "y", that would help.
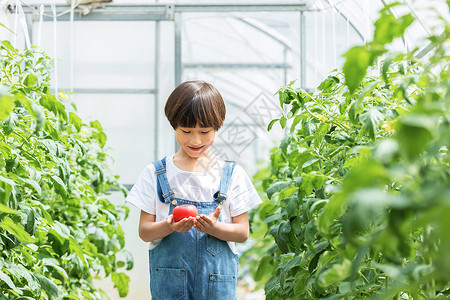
{"x": 181, "y": 226}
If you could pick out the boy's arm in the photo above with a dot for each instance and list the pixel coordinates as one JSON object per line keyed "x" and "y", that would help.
{"x": 149, "y": 230}
{"x": 238, "y": 231}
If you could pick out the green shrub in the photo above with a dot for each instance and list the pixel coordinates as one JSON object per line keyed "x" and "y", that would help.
{"x": 58, "y": 230}
{"x": 358, "y": 191}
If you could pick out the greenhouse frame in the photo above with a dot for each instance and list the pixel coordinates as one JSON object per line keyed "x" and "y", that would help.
{"x": 303, "y": 82}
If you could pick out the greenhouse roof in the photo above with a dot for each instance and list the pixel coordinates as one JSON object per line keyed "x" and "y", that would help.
{"x": 247, "y": 48}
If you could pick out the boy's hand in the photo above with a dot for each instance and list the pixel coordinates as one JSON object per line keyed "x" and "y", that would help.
{"x": 181, "y": 226}
{"x": 206, "y": 223}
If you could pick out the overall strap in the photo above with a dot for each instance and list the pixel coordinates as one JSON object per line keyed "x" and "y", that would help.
{"x": 221, "y": 195}
{"x": 163, "y": 189}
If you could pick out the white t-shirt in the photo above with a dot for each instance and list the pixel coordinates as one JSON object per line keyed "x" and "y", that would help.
{"x": 194, "y": 186}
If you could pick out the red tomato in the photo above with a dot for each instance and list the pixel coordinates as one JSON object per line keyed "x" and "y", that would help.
{"x": 184, "y": 211}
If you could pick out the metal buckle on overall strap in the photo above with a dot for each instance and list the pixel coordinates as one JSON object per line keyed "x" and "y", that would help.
{"x": 160, "y": 171}
{"x": 168, "y": 195}
{"x": 221, "y": 197}
{"x": 174, "y": 201}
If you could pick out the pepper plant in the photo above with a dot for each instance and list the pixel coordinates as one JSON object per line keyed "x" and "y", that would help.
{"x": 58, "y": 230}
{"x": 358, "y": 191}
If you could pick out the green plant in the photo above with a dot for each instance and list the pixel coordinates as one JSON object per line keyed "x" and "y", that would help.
{"x": 359, "y": 188}
{"x": 58, "y": 230}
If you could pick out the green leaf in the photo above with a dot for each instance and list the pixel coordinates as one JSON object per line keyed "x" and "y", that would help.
{"x": 386, "y": 150}
{"x": 276, "y": 187}
{"x": 129, "y": 259}
{"x": 294, "y": 110}
{"x": 6, "y": 29}
{"x": 388, "y": 27}
{"x": 297, "y": 120}
{"x": 10, "y": 123}
{"x": 272, "y": 288}
{"x": 269, "y": 127}
{"x": 273, "y": 217}
{"x": 30, "y": 219}
{"x": 335, "y": 274}
{"x": 39, "y": 115}
{"x": 6, "y": 187}
{"x": 284, "y": 144}
{"x": 24, "y": 101}
{"x": 5, "y": 209}
{"x": 287, "y": 192}
{"x": 370, "y": 120}
{"x": 385, "y": 68}
{"x": 106, "y": 263}
{"x": 282, "y": 236}
{"x": 121, "y": 281}
{"x": 96, "y": 124}
{"x": 20, "y": 272}
{"x": 367, "y": 90}
{"x": 310, "y": 161}
{"x": 75, "y": 121}
{"x": 358, "y": 59}
{"x": 313, "y": 263}
{"x": 309, "y": 127}
{"x": 413, "y": 140}
{"x": 5, "y": 149}
{"x": 30, "y": 80}
{"x": 283, "y": 122}
{"x": 335, "y": 208}
{"x": 101, "y": 137}
{"x": 59, "y": 185}
{"x": 51, "y": 146}
{"x": 6, "y": 279}
{"x": 310, "y": 182}
{"x": 50, "y": 102}
{"x": 328, "y": 83}
{"x": 16, "y": 230}
{"x": 291, "y": 202}
{"x": 6, "y": 104}
{"x": 423, "y": 120}
{"x": 264, "y": 268}
{"x": 50, "y": 288}
{"x": 283, "y": 96}
{"x": 8, "y": 46}
{"x": 33, "y": 184}
{"x": 310, "y": 232}
{"x": 61, "y": 109}
{"x": 75, "y": 248}
{"x": 120, "y": 234}
{"x": 60, "y": 231}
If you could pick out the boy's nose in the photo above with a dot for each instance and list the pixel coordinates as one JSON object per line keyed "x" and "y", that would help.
{"x": 196, "y": 139}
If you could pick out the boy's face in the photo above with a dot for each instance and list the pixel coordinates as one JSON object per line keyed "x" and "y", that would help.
{"x": 194, "y": 142}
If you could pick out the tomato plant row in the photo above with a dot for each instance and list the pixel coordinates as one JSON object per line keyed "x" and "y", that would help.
{"x": 58, "y": 230}
{"x": 358, "y": 191}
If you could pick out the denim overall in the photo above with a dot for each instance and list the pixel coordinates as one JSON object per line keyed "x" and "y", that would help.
{"x": 192, "y": 265}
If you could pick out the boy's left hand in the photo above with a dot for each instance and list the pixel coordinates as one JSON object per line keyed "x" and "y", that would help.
{"x": 206, "y": 223}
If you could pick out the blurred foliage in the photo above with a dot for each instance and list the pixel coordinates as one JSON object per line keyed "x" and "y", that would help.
{"x": 358, "y": 191}
{"x": 58, "y": 231}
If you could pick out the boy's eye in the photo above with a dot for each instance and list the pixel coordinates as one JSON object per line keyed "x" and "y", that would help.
{"x": 185, "y": 131}
{"x": 205, "y": 132}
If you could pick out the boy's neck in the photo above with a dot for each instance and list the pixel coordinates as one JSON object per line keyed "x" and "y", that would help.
{"x": 194, "y": 164}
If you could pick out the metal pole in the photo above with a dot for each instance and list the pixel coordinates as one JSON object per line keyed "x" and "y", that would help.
{"x": 156, "y": 95}
{"x": 29, "y": 20}
{"x": 178, "y": 59}
{"x": 302, "y": 51}
{"x": 285, "y": 65}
